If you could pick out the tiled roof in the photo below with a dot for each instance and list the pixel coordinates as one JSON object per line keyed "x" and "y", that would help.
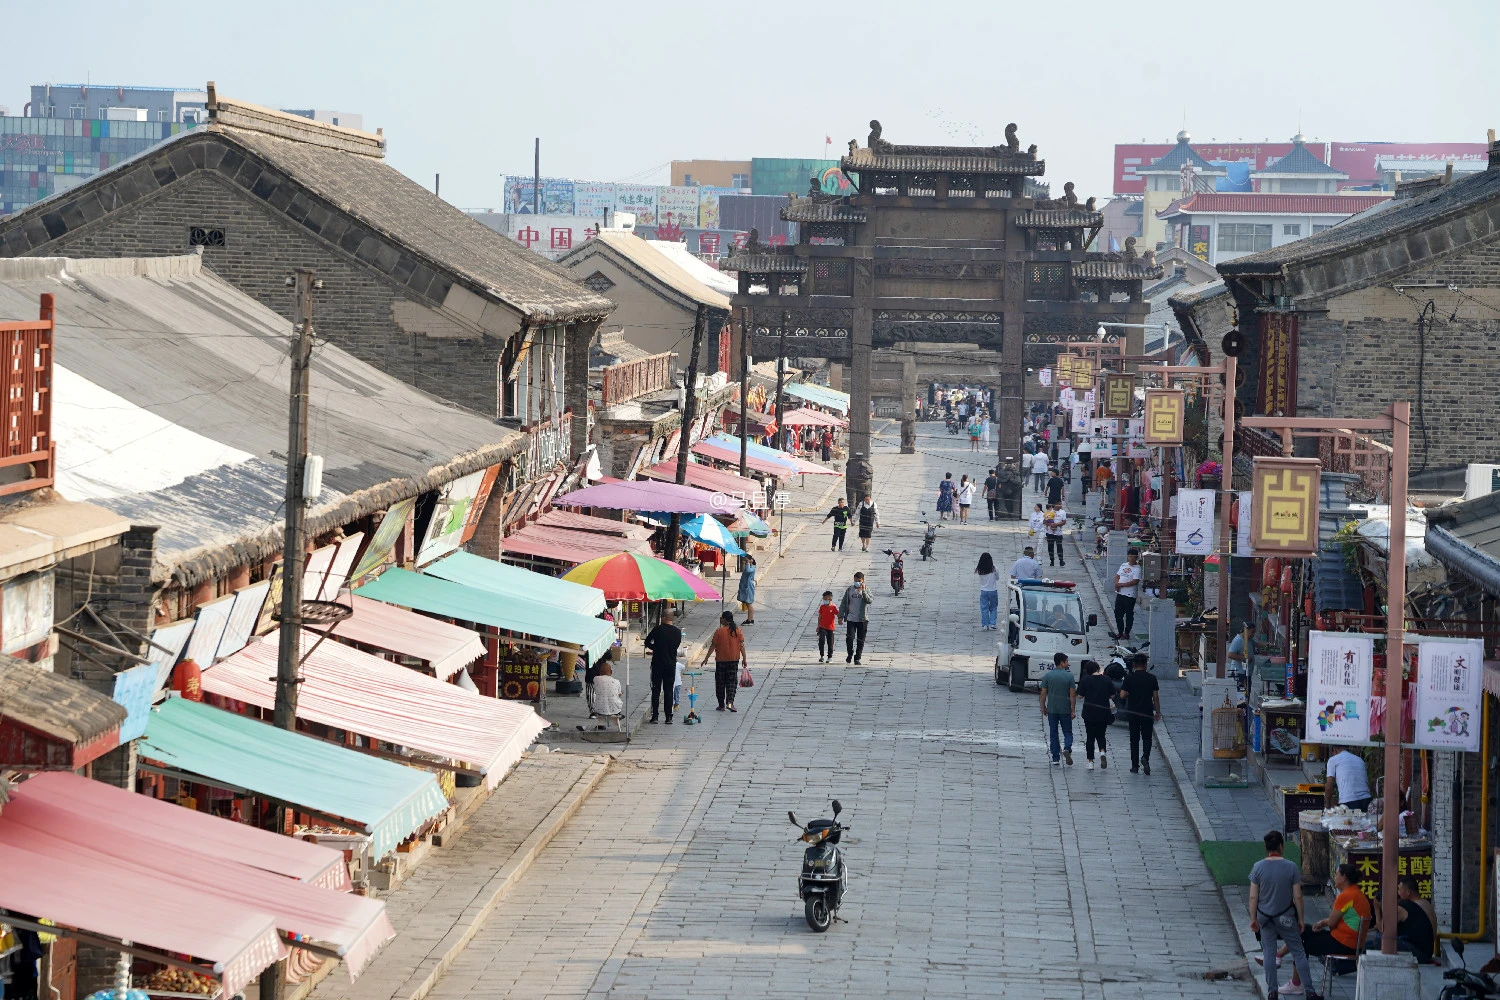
{"x": 1180, "y": 154}
{"x": 54, "y": 704}
{"x": 1299, "y": 161}
{"x": 646, "y": 260}
{"x": 1066, "y": 218}
{"x": 1117, "y": 270}
{"x": 807, "y": 210}
{"x": 1252, "y": 203}
{"x": 941, "y": 159}
{"x": 764, "y": 263}
{"x": 1478, "y": 194}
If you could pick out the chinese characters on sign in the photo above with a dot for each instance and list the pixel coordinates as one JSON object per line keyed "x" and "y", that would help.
{"x": 1195, "y": 522}
{"x": 1065, "y": 369}
{"x": 1083, "y": 373}
{"x": 1119, "y": 396}
{"x": 1339, "y": 670}
{"x": 1135, "y": 439}
{"x": 1413, "y": 861}
{"x": 1198, "y": 242}
{"x": 1165, "y": 410}
{"x": 1285, "y": 513}
{"x": 1242, "y": 543}
{"x": 1278, "y": 345}
{"x": 1450, "y": 690}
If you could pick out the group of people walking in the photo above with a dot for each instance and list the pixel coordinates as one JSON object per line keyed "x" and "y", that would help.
{"x": 955, "y": 499}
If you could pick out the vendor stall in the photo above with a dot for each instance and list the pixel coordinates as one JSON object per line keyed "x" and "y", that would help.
{"x": 437, "y": 646}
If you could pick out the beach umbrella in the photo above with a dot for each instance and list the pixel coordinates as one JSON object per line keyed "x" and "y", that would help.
{"x": 626, "y": 576}
{"x": 747, "y": 522}
{"x": 711, "y": 531}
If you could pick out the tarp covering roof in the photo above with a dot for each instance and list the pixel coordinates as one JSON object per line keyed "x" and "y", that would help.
{"x": 566, "y": 545}
{"x": 383, "y": 799}
{"x": 347, "y": 689}
{"x": 574, "y": 521}
{"x": 706, "y": 477}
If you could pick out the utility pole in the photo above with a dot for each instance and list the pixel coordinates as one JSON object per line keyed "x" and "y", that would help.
{"x": 689, "y": 415}
{"x": 1226, "y": 498}
{"x": 780, "y": 376}
{"x": 293, "y": 557}
{"x": 536, "y": 179}
{"x": 744, "y": 391}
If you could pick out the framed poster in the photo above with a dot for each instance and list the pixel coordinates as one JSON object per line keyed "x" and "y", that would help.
{"x": 1450, "y": 692}
{"x": 1195, "y": 522}
{"x": 1340, "y": 666}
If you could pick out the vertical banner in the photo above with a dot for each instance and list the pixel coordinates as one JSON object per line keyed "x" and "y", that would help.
{"x": 1065, "y": 397}
{"x": 1242, "y": 543}
{"x": 1119, "y": 396}
{"x": 1340, "y": 666}
{"x": 1450, "y": 691}
{"x": 1064, "y": 369}
{"x": 1198, "y": 242}
{"x": 1135, "y": 439}
{"x": 1278, "y": 344}
{"x": 1165, "y": 416}
{"x": 1083, "y": 373}
{"x": 1044, "y": 377}
{"x": 1195, "y": 522}
{"x": 1285, "y": 513}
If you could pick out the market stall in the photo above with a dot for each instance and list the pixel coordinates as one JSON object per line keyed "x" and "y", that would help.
{"x": 426, "y": 642}
{"x": 511, "y": 581}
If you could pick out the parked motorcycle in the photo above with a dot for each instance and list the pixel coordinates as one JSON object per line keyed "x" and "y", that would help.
{"x": 1466, "y": 985}
{"x": 821, "y": 884}
{"x": 898, "y": 569}
{"x": 927, "y": 539}
{"x": 954, "y": 426}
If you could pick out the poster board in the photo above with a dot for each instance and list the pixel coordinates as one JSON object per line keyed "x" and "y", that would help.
{"x": 1195, "y": 522}
{"x": 1450, "y": 693}
{"x": 1340, "y": 670}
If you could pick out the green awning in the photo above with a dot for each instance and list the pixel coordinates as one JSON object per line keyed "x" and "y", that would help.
{"x": 819, "y": 394}
{"x": 513, "y": 581}
{"x": 421, "y": 592}
{"x": 386, "y": 800}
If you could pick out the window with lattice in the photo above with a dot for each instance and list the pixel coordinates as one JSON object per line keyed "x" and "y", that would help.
{"x": 1046, "y": 281}
{"x": 832, "y": 277}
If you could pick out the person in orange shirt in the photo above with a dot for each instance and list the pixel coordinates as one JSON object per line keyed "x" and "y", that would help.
{"x": 1103, "y": 475}
{"x": 828, "y": 623}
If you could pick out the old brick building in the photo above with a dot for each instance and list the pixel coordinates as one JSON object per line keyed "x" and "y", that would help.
{"x": 1402, "y": 302}
{"x": 412, "y": 285}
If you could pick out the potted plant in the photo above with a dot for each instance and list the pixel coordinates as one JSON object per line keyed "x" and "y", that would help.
{"x": 1209, "y": 475}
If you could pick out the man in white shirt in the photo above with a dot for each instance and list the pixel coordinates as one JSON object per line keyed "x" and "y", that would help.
{"x": 1026, "y": 567}
{"x": 1039, "y": 467}
{"x": 1347, "y": 771}
{"x": 1053, "y": 523}
{"x": 1127, "y": 589}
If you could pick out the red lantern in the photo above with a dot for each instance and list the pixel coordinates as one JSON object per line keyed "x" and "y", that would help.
{"x": 187, "y": 680}
{"x": 1286, "y": 578}
{"x": 1270, "y": 571}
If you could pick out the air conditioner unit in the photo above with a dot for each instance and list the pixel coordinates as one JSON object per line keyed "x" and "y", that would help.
{"x": 1481, "y": 480}
{"x": 125, "y": 114}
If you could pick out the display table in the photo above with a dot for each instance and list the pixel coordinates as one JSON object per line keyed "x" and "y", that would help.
{"x": 1293, "y": 800}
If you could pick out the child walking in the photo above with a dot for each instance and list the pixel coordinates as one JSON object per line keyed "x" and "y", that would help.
{"x": 828, "y": 620}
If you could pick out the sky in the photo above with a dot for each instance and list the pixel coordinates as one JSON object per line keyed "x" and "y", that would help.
{"x": 616, "y": 91}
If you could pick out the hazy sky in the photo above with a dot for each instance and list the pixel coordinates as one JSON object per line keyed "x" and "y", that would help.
{"x": 616, "y": 90}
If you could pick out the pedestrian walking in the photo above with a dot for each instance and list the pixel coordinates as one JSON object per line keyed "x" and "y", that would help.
{"x": 663, "y": 642}
{"x": 1142, "y": 695}
{"x": 1127, "y": 590}
{"x": 992, "y": 495}
{"x": 989, "y": 592}
{"x": 945, "y": 497}
{"x": 869, "y": 520}
{"x": 1059, "y": 699}
{"x": 1276, "y": 912}
{"x": 975, "y": 431}
{"x": 1026, "y": 567}
{"x": 1055, "y": 488}
{"x": 965, "y": 499}
{"x": 746, "y": 593}
{"x": 727, "y": 647}
{"x": 1038, "y": 520}
{"x": 1104, "y": 479}
{"x": 840, "y": 514}
{"x": 1096, "y": 691}
{"x": 854, "y": 613}
{"x": 1053, "y": 522}
{"x": 1039, "y": 468}
{"x": 828, "y": 617}
{"x": 1085, "y": 462}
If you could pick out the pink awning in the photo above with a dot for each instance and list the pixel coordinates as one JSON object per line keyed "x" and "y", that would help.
{"x": 446, "y": 648}
{"x": 347, "y": 689}
{"x": 706, "y": 477}
{"x": 806, "y": 417}
{"x": 647, "y": 495}
{"x": 567, "y": 546}
{"x": 353, "y": 926}
{"x": 169, "y": 823}
{"x": 720, "y": 453}
{"x": 574, "y": 521}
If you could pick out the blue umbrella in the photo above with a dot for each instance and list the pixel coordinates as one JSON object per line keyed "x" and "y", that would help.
{"x": 712, "y": 532}
{"x": 753, "y": 524}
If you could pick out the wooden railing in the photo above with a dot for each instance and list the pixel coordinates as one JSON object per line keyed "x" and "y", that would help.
{"x": 548, "y": 443}
{"x": 633, "y": 379}
{"x": 27, "y": 347}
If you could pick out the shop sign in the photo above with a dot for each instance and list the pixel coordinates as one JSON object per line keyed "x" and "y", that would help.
{"x": 1340, "y": 666}
{"x": 382, "y": 542}
{"x": 1044, "y": 376}
{"x": 1278, "y": 343}
{"x": 1284, "y": 517}
{"x": 1165, "y": 416}
{"x": 521, "y": 677}
{"x": 1413, "y": 861}
{"x": 1083, "y": 373}
{"x": 1242, "y": 544}
{"x": 1065, "y": 369}
{"x": 1450, "y": 687}
{"x": 1119, "y": 396}
{"x": 1135, "y": 439}
{"x": 1065, "y": 397}
{"x": 1198, "y": 242}
{"x": 1195, "y": 523}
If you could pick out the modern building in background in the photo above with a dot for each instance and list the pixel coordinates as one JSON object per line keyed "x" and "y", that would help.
{"x": 711, "y": 173}
{"x": 100, "y": 102}
{"x": 345, "y": 119}
{"x": 1218, "y": 226}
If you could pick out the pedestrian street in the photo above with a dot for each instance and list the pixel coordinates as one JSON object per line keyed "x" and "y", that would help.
{"x": 978, "y": 869}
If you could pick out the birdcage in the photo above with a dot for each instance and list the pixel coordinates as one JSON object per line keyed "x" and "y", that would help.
{"x": 1229, "y": 732}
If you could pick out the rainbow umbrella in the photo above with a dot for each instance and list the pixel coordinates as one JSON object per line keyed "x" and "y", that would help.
{"x": 626, "y": 576}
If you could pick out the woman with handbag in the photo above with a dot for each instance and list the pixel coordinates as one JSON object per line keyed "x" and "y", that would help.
{"x": 1095, "y": 690}
{"x": 727, "y": 647}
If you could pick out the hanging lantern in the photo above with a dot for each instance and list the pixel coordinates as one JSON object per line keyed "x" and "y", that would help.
{"x": 1270, "y": 571}
{"x": 187, "y": 680}
{"x": 1286, "y": 578}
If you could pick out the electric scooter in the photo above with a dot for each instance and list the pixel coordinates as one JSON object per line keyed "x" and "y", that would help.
{"x": 898, "y": 570}
{"x": 927, "y": 539}
{"x": 821, "y": 884}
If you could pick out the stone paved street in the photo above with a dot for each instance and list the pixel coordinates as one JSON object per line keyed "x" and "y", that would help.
{"x": 979, "y": 870}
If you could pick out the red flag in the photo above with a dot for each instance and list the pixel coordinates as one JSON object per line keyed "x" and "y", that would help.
{"x": 828, "y": 140}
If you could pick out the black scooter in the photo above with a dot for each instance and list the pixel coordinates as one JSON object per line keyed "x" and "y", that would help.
{"x": 927, "y": 539}
{"x": 1466, "y": 985}
{"x": 821, "y": 884}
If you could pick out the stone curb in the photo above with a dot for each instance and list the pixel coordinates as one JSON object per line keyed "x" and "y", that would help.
{"x": 1233, "y": 898}
{"x": 457, "y": 939}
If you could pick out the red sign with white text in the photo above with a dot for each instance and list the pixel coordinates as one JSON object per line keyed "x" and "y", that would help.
{"x": 1129, "y": 159}
{"x": 1362, "y": 160}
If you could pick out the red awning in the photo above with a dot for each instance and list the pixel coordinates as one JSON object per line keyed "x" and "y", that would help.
{"x": 574, "y": 521}
{"x": 564, "y": 545}
{"x": 447, "y": 648}
{"x": 706, "y": 477}
{"x": 720, "y": 453}
{"x": 347, "y": 689}
{"x": 806, "y": 416}
{"x": 353, "y": 926}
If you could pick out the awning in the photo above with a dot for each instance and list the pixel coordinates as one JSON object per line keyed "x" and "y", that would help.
{"x": 760, "y": 423}
{"x": 380, "y": 798}
{"x": 567, "y": 546}
{"x": 706, "y": 477}
{"x": 534, "y": 615}
{"x": 353, "y": 926}
{"x": 797, "y": 465}
{"x": 486, "y": 574}
{"x": 447, "y": 648}
{"x": 197, "y": 833}
{"x": 645, "y": 494}
{"x": 720, "y": 452}
{"x": 347, "y": 689}
{"x": 818, "y": 394}
{"x": 805, "y": 417}
{"x": 575, "y": 521}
